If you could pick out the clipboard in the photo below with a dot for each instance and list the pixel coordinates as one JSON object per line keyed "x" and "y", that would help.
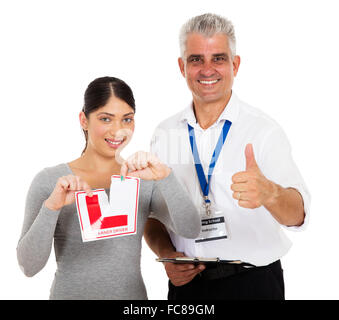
{"x": 196, "y": 260}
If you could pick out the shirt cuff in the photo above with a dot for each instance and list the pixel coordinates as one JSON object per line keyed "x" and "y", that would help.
{"x": 306, "y": 201}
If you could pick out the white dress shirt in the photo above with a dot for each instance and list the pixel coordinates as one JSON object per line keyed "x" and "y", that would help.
{"x": 254, "y": 235}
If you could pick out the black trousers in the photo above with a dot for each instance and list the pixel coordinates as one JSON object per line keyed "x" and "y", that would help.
{"x": 260, "y": 283}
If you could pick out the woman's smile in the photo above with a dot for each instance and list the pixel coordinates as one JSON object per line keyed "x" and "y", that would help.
{"x": 115, "y": 143}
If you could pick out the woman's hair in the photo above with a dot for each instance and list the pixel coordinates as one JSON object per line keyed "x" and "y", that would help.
{"x": 98, "y": 93}
{"x": 208, "y": 25}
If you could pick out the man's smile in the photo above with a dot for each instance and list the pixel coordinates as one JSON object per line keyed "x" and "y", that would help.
{"x": 208, "y": 82}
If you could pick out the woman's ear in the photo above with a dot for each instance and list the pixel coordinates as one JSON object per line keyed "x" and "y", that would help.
{"x": 83, "y": 120}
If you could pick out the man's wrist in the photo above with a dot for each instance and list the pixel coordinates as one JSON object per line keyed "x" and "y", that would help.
{"x": 168, "y": 253}
{"x": 273, "y": 194}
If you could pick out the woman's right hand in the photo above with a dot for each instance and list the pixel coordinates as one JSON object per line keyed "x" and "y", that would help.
{"x": 63, "y": 193}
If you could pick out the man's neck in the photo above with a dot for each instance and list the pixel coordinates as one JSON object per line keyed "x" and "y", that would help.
{"x": 208, "y": 113}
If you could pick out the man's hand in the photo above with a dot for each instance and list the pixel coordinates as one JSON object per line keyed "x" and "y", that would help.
{"x": 250, "y": 187}
{"x": 252, "y": 190}
{"x": 181, "y": 274}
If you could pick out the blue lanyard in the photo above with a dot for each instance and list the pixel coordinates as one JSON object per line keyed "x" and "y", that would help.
{"x": 200, "y": 171}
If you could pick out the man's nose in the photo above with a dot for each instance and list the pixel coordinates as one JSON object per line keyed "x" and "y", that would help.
{"x": 207, "y": 70}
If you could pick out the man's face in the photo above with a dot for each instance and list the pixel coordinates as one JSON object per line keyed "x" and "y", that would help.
{"x": 208, "y": 67}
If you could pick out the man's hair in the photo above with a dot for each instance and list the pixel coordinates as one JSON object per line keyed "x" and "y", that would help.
{"x": 208, "y": 25}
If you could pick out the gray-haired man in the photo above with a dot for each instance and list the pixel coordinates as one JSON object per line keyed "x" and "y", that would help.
{"x": 236, "y": 163}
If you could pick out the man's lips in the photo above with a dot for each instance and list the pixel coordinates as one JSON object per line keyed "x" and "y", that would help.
{"x": 208, "y": 82}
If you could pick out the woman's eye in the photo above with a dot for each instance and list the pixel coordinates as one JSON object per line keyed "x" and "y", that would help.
{"x": 105, "y": 119}
{"x": 128, "y": 120}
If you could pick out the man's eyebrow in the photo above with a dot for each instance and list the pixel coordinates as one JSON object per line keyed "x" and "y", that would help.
{"x": 194, "y": 56}
{"x": 112, "y": 115}
{"x": 225, "y": 55}
{"x": 222, "y": 54}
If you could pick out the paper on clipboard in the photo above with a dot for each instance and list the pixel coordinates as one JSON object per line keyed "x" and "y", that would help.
{"x": 102, "y": 219}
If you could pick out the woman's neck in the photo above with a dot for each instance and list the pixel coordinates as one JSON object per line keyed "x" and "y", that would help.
{"x": 93, "y": 162}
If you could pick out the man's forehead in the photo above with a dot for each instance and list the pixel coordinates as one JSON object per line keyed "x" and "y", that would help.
{"x": 198, "y": 44}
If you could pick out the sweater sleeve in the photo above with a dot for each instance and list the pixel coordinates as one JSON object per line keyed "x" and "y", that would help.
{"x": 35, "y": 243}
{"x": 172, "y": 206}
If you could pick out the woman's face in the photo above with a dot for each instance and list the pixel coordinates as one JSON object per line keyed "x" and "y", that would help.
{"x": 110, "y": 127}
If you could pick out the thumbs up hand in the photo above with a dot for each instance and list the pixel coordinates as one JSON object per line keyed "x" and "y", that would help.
{"x": 251, "y": 164}
{"x": 250, "y": 187}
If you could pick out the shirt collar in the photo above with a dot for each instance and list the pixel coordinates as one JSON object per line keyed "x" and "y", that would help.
{"x": 230, "y": 112}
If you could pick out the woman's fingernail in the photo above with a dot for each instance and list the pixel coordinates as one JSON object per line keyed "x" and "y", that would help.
{"x": 122, "y": 178}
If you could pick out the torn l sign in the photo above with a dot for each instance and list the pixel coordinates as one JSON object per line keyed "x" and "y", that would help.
{"x": 102, "y": 219}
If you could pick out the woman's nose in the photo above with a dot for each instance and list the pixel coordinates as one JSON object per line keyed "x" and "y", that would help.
{"x": 115, "y": 127}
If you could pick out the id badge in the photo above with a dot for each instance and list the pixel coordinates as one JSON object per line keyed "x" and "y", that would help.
{"x": 213, "y": 226}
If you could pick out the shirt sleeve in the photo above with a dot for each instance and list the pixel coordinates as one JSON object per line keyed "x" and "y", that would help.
{"x": 154, "y": 145}
{"x": 35, "y": 243}
{"x": 155, "y": 150}
{"x": 171, "y": 205}
{"x": 277, "y": 164}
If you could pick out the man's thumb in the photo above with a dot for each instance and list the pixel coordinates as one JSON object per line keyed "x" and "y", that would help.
{"x": 250, "y": 159}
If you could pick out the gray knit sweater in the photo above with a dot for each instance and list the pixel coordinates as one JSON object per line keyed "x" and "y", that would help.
{"x": 105, "y": 269}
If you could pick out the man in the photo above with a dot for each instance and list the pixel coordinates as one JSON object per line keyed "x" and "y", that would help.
{"x": 236, "y": 163}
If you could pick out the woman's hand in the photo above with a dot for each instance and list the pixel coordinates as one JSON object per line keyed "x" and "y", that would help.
{"x": 63, "y": 193}
{"x": 144, "y": 165}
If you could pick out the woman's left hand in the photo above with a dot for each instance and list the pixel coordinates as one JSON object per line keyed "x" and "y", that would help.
{"x": 146, "y": 166}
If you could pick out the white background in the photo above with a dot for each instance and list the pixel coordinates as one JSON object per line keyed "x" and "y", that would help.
{"x": 51, "y": 50}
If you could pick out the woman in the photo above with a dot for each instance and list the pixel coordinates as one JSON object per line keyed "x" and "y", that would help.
{"x": 110, "y": 268}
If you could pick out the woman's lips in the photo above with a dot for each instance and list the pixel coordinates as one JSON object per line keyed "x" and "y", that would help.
{"x": 115, "y": 143}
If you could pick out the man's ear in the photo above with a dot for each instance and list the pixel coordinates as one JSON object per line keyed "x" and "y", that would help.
{"x": 181, "y": 66}
{"x": 83, "y": 120}
{"x": 236, "y": 64}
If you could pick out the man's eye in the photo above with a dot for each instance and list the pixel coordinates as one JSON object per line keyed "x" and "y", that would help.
{"x": 221, "y": 59}
{"x": 218, "y": 59}
{"x": 195, "y": 59}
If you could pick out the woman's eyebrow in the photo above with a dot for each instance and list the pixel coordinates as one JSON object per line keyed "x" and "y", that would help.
{"x": 106, "y": 113}
{"x": 112, "y": 115}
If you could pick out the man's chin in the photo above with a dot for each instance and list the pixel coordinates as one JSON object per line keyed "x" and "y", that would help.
{"x": 211, "y": 98}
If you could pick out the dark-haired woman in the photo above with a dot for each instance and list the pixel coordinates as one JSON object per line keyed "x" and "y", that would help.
{"x": 106, "y": 269}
